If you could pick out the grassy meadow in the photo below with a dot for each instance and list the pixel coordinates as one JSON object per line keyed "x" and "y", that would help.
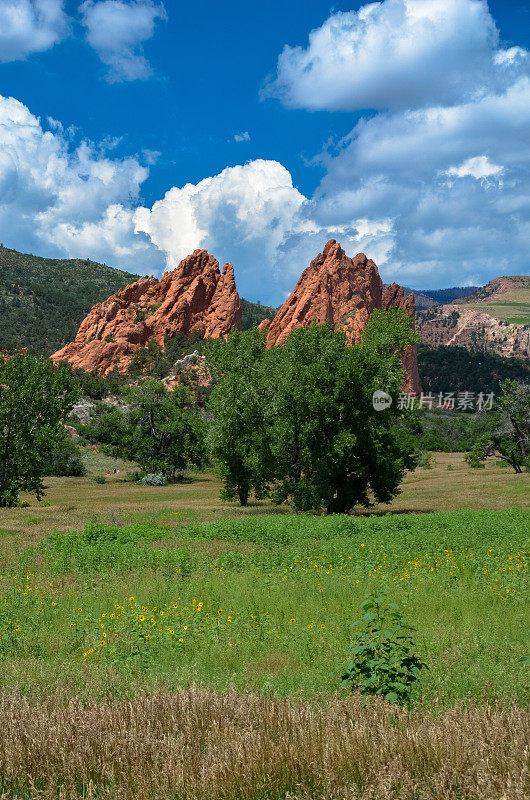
{"x": 181, "y": 647}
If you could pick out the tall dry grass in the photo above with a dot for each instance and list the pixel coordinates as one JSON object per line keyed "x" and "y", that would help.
{"x": 197, "y": 744}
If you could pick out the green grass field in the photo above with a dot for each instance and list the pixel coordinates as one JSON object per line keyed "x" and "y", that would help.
{"x": 265, "y": 603}
{"x": 70, "y": 503}
{"x": 514, "y": 313}
{"x": 131, "y": 597}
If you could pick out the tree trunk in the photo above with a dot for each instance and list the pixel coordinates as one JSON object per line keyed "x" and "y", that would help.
{"x": 243, "y": 495}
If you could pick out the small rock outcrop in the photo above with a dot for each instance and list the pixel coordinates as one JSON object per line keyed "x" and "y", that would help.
{"x": 343, "y": 291}
{"x": 196, "y": 296}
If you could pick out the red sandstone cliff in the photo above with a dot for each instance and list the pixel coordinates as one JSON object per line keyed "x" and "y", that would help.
{"x": 195, "y": 296}
{"x": 343, "y": 291}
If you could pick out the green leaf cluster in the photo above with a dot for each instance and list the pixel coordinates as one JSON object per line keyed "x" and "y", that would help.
{"x": 382, "y": 658}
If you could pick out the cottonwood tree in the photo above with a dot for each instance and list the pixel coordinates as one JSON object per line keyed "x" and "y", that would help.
{"x": 299, "y": 421}
{"x": 35, "y": 396}
{"x": 332, "y": 448}
{"x": 239, "y": 436}
{"x": 161, "y": 430}
{"x": 508, "y": 429}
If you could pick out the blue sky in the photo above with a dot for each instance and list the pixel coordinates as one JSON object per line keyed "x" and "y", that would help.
{"x": 133, "y": 131}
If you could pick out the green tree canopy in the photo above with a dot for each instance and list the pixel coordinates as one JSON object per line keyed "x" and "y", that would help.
{"x": 299, "y": 419}
{"x": 332, "y": 448}
{"x": 159, "y": 429}
{"x": 507, "y": 435}
{"x": 239, "y": 437}
{"x": 34, "y": 397}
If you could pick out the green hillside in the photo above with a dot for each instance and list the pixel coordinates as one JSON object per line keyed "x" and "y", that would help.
{"x": 507, "y": 299}
{"x": 254, "y": 313}
{"x": 456, "y": 369}
{"x": 43, "y": 300}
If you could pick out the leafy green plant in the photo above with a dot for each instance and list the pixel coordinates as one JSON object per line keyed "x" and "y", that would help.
{"x": 100, "y": 479}
{"x": 383, "y": 661}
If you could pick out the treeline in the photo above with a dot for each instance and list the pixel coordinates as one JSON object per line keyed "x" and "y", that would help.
{"x": 442, "y": 296}
{"x": 315, "y": 422}
{"x": 457, "y": 369}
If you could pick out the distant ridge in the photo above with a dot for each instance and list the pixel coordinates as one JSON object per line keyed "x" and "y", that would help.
{"x": 426, "y": 298}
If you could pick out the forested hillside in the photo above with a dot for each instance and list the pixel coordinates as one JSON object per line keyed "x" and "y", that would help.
{"x": 43, "y": 301}
{"x": 254, "y": 313}
{"x": 457, "y": 369}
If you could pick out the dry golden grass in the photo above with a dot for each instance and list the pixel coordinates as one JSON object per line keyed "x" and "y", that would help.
{"x": 73, "y": 501}
{"x": 195, "y": 744}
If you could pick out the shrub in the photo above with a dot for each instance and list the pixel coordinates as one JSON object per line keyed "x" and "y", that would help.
{"x": 153, "y": 479}
{"x": 382, "y": 654}
{"x": 100, "y": 479}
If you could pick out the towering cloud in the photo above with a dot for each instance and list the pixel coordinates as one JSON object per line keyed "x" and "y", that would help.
{"x": 396, "y": 54}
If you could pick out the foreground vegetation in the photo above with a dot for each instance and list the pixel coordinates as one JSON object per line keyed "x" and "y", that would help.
{"x": 266, "y": 603}
{"x": 193, "y": 744}
{"x": 158, "y": 656}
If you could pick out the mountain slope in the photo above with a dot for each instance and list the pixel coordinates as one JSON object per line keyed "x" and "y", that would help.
{"x": 506, "y": 299}
{"x": 44, "y": 300}
{"x": 427, "y": 298}
{"x": 495, "y": 318}
{"x": 254, "y": 313}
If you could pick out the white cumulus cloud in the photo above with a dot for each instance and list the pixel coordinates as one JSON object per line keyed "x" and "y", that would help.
{"x": 63, "y": 199}
{"x": 252, "y": 215}
{"x": 30, "y": 26}
{"x": 477, "y": 167}
{"x": 241, "y": 215}
{"x": 396, "y": 54}
{"x": 444, "y": 231}
{"x": 116, "y": 30}
{"x": 56, "y": 199}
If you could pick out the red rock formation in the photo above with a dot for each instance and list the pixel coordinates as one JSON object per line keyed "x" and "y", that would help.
{"x": 195, "y": 296}
{"x": 343, "y": 291}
